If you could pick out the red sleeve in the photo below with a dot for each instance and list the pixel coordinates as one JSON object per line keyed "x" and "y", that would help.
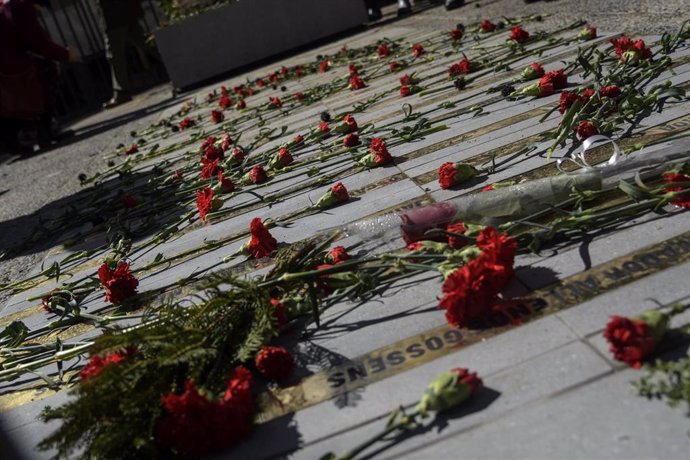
{"x": 34, "y": 37}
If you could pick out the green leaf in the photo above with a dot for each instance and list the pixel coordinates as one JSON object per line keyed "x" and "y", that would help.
{"x": 16, "y": 331}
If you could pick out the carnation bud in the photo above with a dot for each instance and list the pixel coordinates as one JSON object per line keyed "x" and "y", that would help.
{"x": 448, "y": 390}
{"x": 532, "y": 90}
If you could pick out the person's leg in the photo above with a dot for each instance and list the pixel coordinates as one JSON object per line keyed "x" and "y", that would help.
{"x": 116, "y": 52}
{"x": 373, "y": 9}
{"x": 404, "y": 7}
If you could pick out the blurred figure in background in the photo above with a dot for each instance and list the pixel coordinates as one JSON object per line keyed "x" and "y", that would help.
{"x": 27, "y": 81}
{"x": 120, "y": 25}
{"x": 374, "y": 9}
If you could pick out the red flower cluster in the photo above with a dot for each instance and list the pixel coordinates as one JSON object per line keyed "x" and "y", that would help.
{"x": 274, "y": 363}
{"x": 628, "y": 50}
{"x": 568, "y": 98}
{"x": 119, "y": 284}
{"x": 585, "y": 130}
{"x": 96, "y": 363}
{"x": 356, "y": 82}
{"x": 471, "y": 291}
{"x": 217, "y": 116}
{"x": 195, "y": 426}
{"x": 378, "y": 148}
{"x": 261, "y": 243}
{"x": 460, "y": 68}
{"x": 487, "y": 26}
{"x": 204, "y": 202}
{"x": 519, "y": 34}
{"x": 417, "y": 50}
{"x": 674, "y": 178}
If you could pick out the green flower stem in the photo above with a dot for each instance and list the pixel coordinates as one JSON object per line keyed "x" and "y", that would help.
{"x": 407, "y": 421}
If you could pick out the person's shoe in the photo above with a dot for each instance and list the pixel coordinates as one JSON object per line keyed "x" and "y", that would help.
{"x": 117, "y": 100}
{"x": 375, "y": 14}
{"x": 452, "y": 4}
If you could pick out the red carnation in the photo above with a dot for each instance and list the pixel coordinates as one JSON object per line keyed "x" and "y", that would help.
{"x": 225, "y": 183}
{"x": 274, "y": 363}
{"x": 682, "y": 201}
{"x": 205, "y": 202}
{"x": 195, "y": 426}
{"x": 568, "y": 98}
{"x": 281, "y": 159}
{"x": 405, "y": 91}
{"x": 393, "y": 66}
{"x": 132, "y": 149}
{"x": 351, "y": 123}
{"x": 241, "y": 104}
{"x": 274, "y": 102}
{"x": 210, "y": 168}
{"x": 356, "y": 82}
{"x": 450, "y": 174}
{"x": 337, "y": 255}
{"x": 226, "y": 143}
{"x": 534, "y": 70}
{"x": 633, "y": 339}
{"x": 96, "y": 363}
{"x": 378, "y": 148}
{"x": 383, "y": 50}
{"x": 299, "y": 96}
{"x": 610, "y": 91}
{"x": 352, "y": 69}
{"x": 462, "y": 67}
{"x": 217, "y": 116}
{"x": 260, "y": 83}
{"x": 238, "y": 154}
{"x": 335, "y": 195}
{"x": 186, "y": 123}
{"x": 406, "y": 80}
{"x": 456, "y": 34}
{"x": 261, "y": 243}
{"x": 588, "y": 33}
{"x": 417, "y": 50}
{"x": 119, "y": 284}
{"x": 487, "y": 26}
{"x": 213, "y": 152}
{"x": 279, "y": 312}
{"x": 351, "y": 140}
{"x": 324, "y": 66}
{"x": 324, "y": 128}
{"x": 225, "y": 102}
{"x": 256, "y": 175}
{"x": 519, "y": 34}
{"x": 456, "y": 242}
{"x": 585, "y": 130}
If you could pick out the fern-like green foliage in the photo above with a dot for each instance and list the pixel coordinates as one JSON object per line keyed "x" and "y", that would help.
{"x": 668, "y": 381}
{"x": 200, "y": 341}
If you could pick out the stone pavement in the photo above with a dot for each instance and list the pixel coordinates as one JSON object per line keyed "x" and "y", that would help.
{"x": 552, "y": 388}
